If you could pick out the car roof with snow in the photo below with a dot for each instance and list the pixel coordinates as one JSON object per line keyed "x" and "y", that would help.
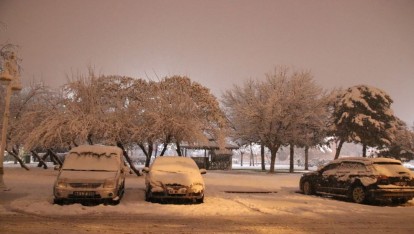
{"x": 98, "y": 150}
{"x": 96, "y": 157}
{"x": 175, "y": 163}
{"x": 366, "y": 161}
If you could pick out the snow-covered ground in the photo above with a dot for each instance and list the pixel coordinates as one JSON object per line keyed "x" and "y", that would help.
{"x": 236, "y": 193}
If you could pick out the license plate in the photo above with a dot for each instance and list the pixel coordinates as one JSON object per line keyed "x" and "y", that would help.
{"x": 84, "y": 193}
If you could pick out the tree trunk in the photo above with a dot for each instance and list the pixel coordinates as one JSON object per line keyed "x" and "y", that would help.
{"x": 41, "y": 161}
{"x": 306, "y": 157}
{"x": 44, "y": 157}
{"x": 241, "y": 158}
{"x": 164, "y": 149}
{"x": 262, "y": 156}
{"x": 148, "y": 153}
{"x": 364, "y": 150}
{"x": 156, "y": 150}
{"x": 179, "y": 149}
{"x": 131, "y": 165}
{"x": 292, "y": 154}
{"x": 251, "y": 155}
{"x": 167, "y": 141}
{"x": 338, "y": 148}
{"x": 90, "y": 142}
{"x": 273, "y": 151}
{"x": 19, "y": 160}
{"x": 55, "y": 157}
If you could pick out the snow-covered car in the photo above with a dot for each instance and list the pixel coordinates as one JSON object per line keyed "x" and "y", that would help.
{"x": 361, "y": 180}
{"x": 173, "y": 177}
{"x": 91, "y": 173}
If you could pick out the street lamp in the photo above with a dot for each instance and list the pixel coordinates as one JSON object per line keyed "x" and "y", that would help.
{"x": 10, "y": 77}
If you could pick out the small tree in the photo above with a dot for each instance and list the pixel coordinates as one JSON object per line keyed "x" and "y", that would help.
{"x": 187, "y": 112}
{"x": 275, "y": 111}
{"x": 363, "y": 115}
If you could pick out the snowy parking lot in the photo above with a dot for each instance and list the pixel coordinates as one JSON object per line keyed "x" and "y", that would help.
{"x": 236, "y": 201}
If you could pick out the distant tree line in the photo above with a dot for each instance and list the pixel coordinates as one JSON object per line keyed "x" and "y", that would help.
{"x": 285, "y": 108}
{"x": 288, "y": 108}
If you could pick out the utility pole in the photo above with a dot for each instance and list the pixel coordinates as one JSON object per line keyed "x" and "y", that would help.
{"x": 10, "y": 77}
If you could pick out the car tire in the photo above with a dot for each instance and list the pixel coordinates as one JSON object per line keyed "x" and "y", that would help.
{"x": 200, "y": 200}
{"x": 121, "y": 191}
{"x": 148, "y": 195}
{"x": 58, "y": 201}
{"x": 399, "y": 201}
{"x": 359, "y": 194}
{"x": 308, "y": 188}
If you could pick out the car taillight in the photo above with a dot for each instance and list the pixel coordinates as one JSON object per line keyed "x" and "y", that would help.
{"x": 382, "y": 179}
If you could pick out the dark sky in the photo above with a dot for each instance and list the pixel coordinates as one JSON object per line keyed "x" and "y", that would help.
{"x": 218, "y": 43}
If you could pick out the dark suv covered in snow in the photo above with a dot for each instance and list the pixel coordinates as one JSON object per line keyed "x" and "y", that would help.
{"x": 361, "y": 180}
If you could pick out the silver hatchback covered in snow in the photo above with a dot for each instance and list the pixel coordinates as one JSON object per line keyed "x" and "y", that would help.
{"x": 172, "y": 177}
{"x": 91, "y": 173}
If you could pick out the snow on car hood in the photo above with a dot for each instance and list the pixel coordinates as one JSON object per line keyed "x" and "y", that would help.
{"x": 157, "y": 178}
{"x": 86, "y": 175}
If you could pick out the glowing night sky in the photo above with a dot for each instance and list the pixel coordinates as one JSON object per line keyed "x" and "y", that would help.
{"x": 218, "y": 43}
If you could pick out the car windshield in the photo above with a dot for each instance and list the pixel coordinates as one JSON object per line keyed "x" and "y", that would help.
{"x": 175, "y": 164}
{"x": 90, "y": 162}
{"x": 390, "y": 168}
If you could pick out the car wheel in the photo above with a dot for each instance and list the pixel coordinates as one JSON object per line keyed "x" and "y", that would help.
{"x": 148, "y": 195}
{"x": 308, "y": 188}
{"x": 58, "y": 201}
{"x": 200, "y": 200}
{"x": 121, "y": 191}
{"x": 358, "y": 194}
{"x": 399, "y": 201}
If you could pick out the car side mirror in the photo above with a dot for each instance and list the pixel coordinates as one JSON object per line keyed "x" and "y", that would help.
{"x": 145, "y": 169}
{"x": 203, "y": 171}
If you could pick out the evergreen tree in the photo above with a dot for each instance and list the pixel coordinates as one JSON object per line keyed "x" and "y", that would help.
{"x": 363, "y": 115}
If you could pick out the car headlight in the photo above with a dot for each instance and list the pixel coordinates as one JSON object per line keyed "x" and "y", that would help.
{"x": 61, "y": 184}
{"x": 196, "y": 188}
{"x": 109, "y": 184}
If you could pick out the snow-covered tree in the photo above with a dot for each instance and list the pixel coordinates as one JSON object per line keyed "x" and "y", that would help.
{"x": 275, "y": 111}
{"x": 187, "y": 112}
{"x": 126, "y": 112}
{"x": 363, "y": 115}
{"x": 308, "y": 112}
{"x": 402, "y": 145}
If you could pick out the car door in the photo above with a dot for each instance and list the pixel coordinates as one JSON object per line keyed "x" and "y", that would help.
{"x": 327, "y": 177}
{"x": 341, "y": 178}
{"x": 346, "y": 174}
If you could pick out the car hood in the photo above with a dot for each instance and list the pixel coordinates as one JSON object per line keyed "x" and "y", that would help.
{"x": 312, "y": 173}
{"x": 159, "y": 178}
{"x": 86, "y": 175}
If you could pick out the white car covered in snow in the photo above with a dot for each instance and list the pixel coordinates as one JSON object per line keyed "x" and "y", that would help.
{"x": 361, "y": 180}
{"x": 91, "y": 173}
{"x": 173, "y": 177}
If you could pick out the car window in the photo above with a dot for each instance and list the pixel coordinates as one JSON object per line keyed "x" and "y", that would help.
{"x": 90, "y": 162}
{"x": 390, "y": 169}
{"x": 329, "y": 167}
{"x": 352, "y": 166}
{"x": 175, "y": 164}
